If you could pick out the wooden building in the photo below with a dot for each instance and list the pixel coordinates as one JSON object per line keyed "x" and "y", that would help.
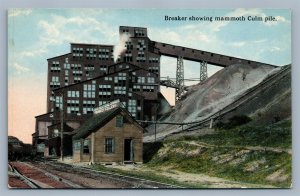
{"x": 110, "y": 136}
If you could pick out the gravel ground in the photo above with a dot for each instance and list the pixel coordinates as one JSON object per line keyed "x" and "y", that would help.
{"x": 38, "y": 177}
{"x": 85, "y": 180}
{"x": 15, "y": 182}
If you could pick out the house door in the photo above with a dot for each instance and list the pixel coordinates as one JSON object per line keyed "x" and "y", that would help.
{"x": 128, "y": 150}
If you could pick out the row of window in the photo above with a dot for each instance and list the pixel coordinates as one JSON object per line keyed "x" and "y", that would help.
{"x": 89, "y": 103}
{"x": 86, "y": 148}
{"x": 73, "y": 103}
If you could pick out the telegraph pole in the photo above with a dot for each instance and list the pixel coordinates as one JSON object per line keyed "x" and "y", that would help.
{"x": 62, "y": 128}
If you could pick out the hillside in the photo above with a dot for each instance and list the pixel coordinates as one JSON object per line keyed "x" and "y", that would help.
{"x": 206, "y": 99}
{"x": 253, "y": 153}
{"x": 256, "y": 155}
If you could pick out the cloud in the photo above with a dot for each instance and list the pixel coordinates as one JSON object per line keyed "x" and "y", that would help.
{"x": 238, "y": 44}
{"x": 275, "y": 49}
{"x": 33, "y": 53}
{"x": 19, "y": 12}
{"x": 20, "y": 69}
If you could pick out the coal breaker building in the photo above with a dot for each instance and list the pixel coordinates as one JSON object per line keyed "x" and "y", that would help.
{"x": 92, "y": 75}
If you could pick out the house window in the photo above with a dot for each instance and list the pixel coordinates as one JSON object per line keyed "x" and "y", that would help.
{"x": 119, "y": 121}
{"x": 55, "y": 133}
{"x": 86, "y": 146}
{"x": 109, "y": 145}
{"x": 76, "y": 145}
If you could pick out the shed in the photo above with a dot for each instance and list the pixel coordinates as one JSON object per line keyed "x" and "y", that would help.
{"x": 111, "y": 136}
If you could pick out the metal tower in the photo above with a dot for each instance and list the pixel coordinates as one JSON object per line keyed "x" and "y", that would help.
{"x": 203, "y": 71}
{"x": 179, "y": 79}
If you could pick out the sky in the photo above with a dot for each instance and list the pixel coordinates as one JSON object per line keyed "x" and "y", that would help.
{"x": 34, "y": 35}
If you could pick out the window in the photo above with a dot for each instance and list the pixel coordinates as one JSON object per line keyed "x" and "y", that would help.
{"x": 103, "y": 54}
{"x": 76, "y": 145}
{"x": 151, "y": 80}
{"x": 77, "y": 79}
{"x": 148, "y": 88}
{"x": 104, "y": 91}
{"x": 119, "y": 121}
{"x": 136, "y": 88}
{"x": 91, "y": 53}
{"x": 153, "y": 60}
{"x": 109, "y": 145}
{"x": 72, "y": 110}
{"x": 74, "y": 103}
{"x": 89, "y": 90}
{"x": 141, "y": 80}
{"x": 86, "y": 146}
{"x": 73, "y": 93}
{"x": 153, "y": 69}
{"x": 132, "y": 107}
{"x": 77, "y": 52}
{"x": 58, "y": 102}
{"x": 88, "y": 106}
{"x": 55, "y": 66}
{"x": 119, "y": 90}
{"x": 108, "y": 78}
{"x": 77, "y": 72}
{"x": 89, "y": 67}
{"x": 67, "y": 66}
{"x": 103, "y": 68}
{"x": 55, "y": 133}
{"x": 54, "y": 82}
{"x": 102, "y": 102}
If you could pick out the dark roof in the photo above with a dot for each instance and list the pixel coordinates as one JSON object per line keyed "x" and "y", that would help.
{"x": 59, "y": 124}
{"x": 104, "y": 45}
{"x": 59, "y": 56}
{"x": 43, "y": 114}
{"x": 99, "y": 120}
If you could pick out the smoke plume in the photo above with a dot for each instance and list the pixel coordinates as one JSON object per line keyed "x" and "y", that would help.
{"x": 120, "y": 47}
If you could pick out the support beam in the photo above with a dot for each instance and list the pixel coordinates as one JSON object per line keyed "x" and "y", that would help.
{"x": 179, "y": 79}
{"x": 203, "y": 71}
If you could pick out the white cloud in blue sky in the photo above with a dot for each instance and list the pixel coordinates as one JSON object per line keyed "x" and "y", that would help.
{"x": 37, "y": 34}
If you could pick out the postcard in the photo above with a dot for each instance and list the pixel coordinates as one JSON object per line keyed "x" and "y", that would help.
{"x": 149, "y": 98}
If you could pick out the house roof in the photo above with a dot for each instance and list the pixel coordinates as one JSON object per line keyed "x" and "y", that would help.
{"x": 99, "y": 120}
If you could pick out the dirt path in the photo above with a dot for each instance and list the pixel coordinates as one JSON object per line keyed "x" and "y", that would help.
{"x": 192, "y": 179}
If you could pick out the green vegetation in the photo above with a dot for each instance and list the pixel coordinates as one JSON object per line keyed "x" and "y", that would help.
{"x": 246, "y": 154}
{"x": 275, "y": 135}
{"x": 226, "y": 154}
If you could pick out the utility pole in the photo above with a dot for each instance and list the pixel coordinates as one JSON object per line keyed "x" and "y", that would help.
{"x": 155, "y": 131}
{"x": 62, "y": 128}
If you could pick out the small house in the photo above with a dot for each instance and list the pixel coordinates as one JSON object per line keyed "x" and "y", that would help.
{"x": 109, "y": 136}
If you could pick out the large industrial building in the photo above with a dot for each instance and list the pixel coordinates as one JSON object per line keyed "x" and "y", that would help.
{"x": 92, "y": 75}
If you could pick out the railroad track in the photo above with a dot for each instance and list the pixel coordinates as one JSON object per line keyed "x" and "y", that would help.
{"x": 36, "y": 178}
{"x": 128, "y": 181}
{"x": 20, "y": 177}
